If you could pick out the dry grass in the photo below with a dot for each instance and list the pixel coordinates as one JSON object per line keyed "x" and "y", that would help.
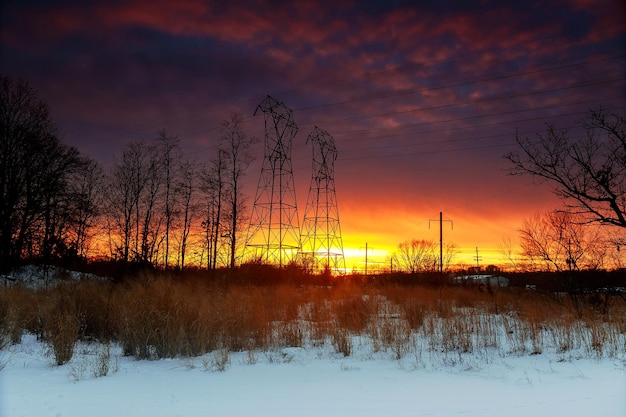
{"x": 157, "y": 318}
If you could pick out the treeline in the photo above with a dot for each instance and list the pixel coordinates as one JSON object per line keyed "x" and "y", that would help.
{"x": 151, "y": 207}
{"x": 158, "y": 207}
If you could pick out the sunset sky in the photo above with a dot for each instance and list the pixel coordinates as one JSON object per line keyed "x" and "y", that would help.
{"x": 423, "y": 98}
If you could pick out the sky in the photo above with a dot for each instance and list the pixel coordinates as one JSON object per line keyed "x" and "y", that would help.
{"x": 422, "y": 98}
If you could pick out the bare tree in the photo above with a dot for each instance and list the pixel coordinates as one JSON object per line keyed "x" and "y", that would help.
{"x": 236, "y": 147}
{"x": 88, "y": 193}
{"x": 615, "y": 241}
{"x": 450, "y": 251}
{"x": 508, "y": 251}
{"x": 126, "y": 185}
{"x": 212, "y": 187}
{"x": 151, "y": 202}
{"x": 56, "y": 199}
{"x": 153, "y": 179}
{"x": 185, "y": 189}
{"x": 169, "y": 149}
{"x": 416, "y": 256}
{"x": 588, "y": 172}
{"x": 34, "y": 171}
{"x": 559, "y": 242}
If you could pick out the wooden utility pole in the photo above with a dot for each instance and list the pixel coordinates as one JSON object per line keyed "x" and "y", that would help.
{"x": 441, "y": 237}
{"x": 477, "y": 260}
{"x": 365, "y": 258}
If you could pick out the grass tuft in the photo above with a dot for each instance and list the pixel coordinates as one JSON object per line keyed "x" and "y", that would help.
{"x": 162, "y": 317}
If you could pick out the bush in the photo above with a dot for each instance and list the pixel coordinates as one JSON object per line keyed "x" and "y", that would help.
{"x": 165, "y": 317}
{"x": 61, "y": 334}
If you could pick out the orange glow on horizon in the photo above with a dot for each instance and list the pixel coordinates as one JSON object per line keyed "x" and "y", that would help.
{"x": 369, "y": 245}
{"x": 384, "y": 229}
{"x": 480, "y": 233}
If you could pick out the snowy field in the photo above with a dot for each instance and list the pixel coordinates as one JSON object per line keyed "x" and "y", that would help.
{"x": 311, "y": 382}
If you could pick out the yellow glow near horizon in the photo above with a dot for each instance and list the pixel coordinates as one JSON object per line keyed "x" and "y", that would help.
{"x": 377, "y": 259}
{"x": 372, "y": 256}
{"x": 382, "y": 230}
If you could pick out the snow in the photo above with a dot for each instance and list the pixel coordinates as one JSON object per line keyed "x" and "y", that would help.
{"x": 40, "y": 276}
{"x": 308, "y": 382}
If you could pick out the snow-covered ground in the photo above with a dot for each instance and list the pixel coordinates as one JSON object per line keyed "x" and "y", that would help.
{"x": 38, "y": 276}
{"x": 308, "y": 382}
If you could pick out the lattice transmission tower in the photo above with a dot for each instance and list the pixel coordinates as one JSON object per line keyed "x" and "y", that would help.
{"x": 274, "y": 233}
{"x": 322, "y": 247}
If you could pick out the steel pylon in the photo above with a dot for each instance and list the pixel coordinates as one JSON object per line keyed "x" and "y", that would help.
{"x": 274, "y": 232}
{"x": 322, "y": 246}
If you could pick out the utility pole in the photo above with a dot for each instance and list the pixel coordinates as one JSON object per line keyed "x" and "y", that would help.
{"x": 441, "y": 220}
{"x": 365, "y": 258}
{"x": 477, "y": 260}
{"x": 366, "y": 253}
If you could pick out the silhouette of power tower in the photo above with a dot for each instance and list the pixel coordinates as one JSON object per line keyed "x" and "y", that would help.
{"x": 322, "y": 247}
{"x": 274, "y": 232}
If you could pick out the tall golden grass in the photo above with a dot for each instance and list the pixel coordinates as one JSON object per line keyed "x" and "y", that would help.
{"x": 163, "y": 317}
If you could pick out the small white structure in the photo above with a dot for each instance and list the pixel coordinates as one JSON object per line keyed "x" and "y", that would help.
{"x": 482, "y": 279}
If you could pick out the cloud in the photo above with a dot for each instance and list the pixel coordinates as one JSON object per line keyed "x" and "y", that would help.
{"x": 422, "y": 97}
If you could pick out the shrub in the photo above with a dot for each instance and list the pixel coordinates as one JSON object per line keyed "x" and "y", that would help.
{"x": 341, "y": 340}
{"x": 61, "y": 333}
{"x": 164, "y": 317}
{"x": 218, "y": 361}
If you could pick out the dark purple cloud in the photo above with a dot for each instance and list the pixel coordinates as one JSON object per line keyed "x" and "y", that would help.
{"x": 423, "y": 98}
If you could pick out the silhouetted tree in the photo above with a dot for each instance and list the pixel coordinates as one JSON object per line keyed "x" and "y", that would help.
{"x": 509, "y": 252}
{"x": 450, "y": 251}
{"x": 152, "y": 202}
{"x": 416, "y": 256}
{"x": 87, "y": 190}
{"x": 127, "y": 181}
{"x": 169, "y": 149}
{"x": 212, "y": 187}
{"x": 34, "y": 171}
{"x": 68, "y": 204}
{"x": 559, "y": 242}
{"x": 186, "y": 189}
{"x": 588, "y": 173}
{"x": 236, "y": 147}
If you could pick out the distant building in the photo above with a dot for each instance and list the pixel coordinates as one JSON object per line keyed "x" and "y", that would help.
{"x": 482, "y": 279}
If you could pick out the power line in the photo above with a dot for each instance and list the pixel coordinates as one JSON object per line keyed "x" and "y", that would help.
{"x": 457, "y": 56}
{"x": 423, "y": 90}
{"x": 491, "y": 196}
{"x": 484, "y": 100}
{"x": 459, "y": 84}
{"x": 464, "y": 139}
{"x": 470, "y": 102}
